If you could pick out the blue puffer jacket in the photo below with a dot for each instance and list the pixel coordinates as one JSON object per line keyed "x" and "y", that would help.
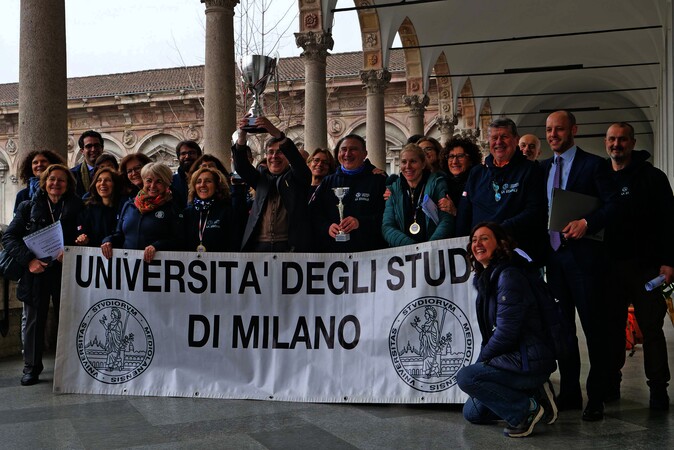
{"x": 512, "y": 330}
{"x": 393, "y": 226}
{"x": 161, "y": 228}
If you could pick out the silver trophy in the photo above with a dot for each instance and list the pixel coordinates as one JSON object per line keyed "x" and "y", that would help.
{"x": 340, "y": 193}
{"x": 256, "y": 70}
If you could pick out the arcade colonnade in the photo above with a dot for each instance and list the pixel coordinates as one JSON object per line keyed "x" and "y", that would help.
{"x": 42, "y": 78}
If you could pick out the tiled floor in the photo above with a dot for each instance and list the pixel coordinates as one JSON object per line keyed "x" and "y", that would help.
{"x": 33, "y": 417}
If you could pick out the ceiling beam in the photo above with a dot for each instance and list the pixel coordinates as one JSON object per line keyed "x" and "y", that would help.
{"x": 543, "y": 69}
{"x": 528, "y": 38}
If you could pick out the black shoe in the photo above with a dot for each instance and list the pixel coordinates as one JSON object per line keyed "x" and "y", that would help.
{"x": 546, "y": 397}
{"x": 593, "y": 412}
{"x": 527, "y": 426}
{"x": 659, "y": 400}
{"x": 568, "y": 402}
{"x": 29, "y": 379}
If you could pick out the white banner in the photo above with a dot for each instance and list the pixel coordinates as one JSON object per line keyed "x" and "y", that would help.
{"x": 389, "y": 326}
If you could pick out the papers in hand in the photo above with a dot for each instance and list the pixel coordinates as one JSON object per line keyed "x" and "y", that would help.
{"x": 46, "y": 243}
{"x": 429, "y": 208}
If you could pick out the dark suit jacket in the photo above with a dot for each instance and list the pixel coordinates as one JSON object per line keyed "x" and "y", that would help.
{"x": 589, "y": 175}
{"x": 292, "y": 185}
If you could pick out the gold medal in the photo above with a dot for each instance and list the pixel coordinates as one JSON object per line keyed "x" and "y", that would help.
{"x": 415, "y": 228}
{"x": 201, "y": 248}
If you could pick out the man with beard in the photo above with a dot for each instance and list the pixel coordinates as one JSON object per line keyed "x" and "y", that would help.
{"x": 635, "y": 258}
{"x": 187, "y": 152}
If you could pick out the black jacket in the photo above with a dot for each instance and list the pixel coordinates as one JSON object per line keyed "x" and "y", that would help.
{"x": 222, "y": 230}
{"x": 646, "y": 206}
{"x": 364, "y": 201}
{"x": 31, "y": 216}
{"x": 97, "y": 222}
{"x": 292, "y": 185}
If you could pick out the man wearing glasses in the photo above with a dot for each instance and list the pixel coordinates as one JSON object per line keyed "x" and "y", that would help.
{"x": 278, "y": 220}
{"x": 507, "y": 190}
{"x": 91, "y": 147}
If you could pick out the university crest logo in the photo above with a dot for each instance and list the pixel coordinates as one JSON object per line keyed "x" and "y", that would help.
{"x": 430, "y": 340}
{"x": 114, "y": 342}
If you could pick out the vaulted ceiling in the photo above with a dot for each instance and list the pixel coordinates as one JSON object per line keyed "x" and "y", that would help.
{"x": 603, "y": 59}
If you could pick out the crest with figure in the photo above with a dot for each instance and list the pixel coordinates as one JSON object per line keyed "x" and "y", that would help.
{"x": 430, "y": 340}
{"x": 114, "y": 342}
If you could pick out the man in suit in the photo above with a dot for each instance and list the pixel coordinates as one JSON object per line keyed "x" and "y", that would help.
{"x": 576, "y": 265}
{"x": 91, "y": 147}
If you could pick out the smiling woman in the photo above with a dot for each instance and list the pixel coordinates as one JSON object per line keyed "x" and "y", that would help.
{"x": 509, "y": 381}
{"x": 55, "y": 201}
{"x": 211, "y": 223}
{"x": 411, "y": 213}
{"x": 151, "y": 222}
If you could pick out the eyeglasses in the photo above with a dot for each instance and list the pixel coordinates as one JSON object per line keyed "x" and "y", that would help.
{"x": 319, "y": 161}
{"x": 457, "y": 156}
{"x": 131, "y": 170}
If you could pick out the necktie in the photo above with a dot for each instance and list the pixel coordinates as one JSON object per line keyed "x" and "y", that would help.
{"x": 555, "y": 236}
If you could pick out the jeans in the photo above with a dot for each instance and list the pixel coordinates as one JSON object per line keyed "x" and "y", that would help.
{"x": 497, "y": 393}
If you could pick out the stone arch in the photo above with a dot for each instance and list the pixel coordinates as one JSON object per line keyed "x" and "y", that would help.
{"x": 466, "y": 106}
{"x": 485, "y": 117}
{"x": 160, "y": 147}
{"x": 444, "y": 87}
{"x": 413, "y": 67}
{"x": 373, "y": 55}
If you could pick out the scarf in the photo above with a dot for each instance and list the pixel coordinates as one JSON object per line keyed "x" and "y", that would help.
{"x": 203, "y": 205}
{"x": 354, "y": 171}
{"x": 84, "y": 171}
{"x": 33, "y": 186}
{"x": 145, "y": 203}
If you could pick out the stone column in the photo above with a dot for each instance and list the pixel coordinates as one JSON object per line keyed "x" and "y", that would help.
{"x": 376, "y": 82}
{"x": 219, "y": 79}
{"x": 446, "y": 127}
{"x": 43, "y": 106}
{"x": 417, "y": 105}
{"x": 315, "y": 46}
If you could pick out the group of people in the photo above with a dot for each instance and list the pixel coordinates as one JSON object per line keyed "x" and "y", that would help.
{"x": 339, "y": 202}
{"x": 596, "y": 265}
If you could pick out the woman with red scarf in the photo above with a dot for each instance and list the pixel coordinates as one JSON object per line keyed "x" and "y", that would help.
{"x": 152, "y": 222}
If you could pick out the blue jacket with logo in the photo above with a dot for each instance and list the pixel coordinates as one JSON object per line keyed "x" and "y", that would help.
{"x": 513, "y": 196}
{"x": 364, "y": 201}
{"x": 160, "y": 228}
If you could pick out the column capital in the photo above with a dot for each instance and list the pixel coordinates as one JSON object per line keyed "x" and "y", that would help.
{"x": 315, "y": 45}
{"x": 375, "y": 81}
{"x": 446, "y": 124}
{"x": 227, "y": 4}
{"x": 471, "y": 134}
{"x": 416, "y": 103}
